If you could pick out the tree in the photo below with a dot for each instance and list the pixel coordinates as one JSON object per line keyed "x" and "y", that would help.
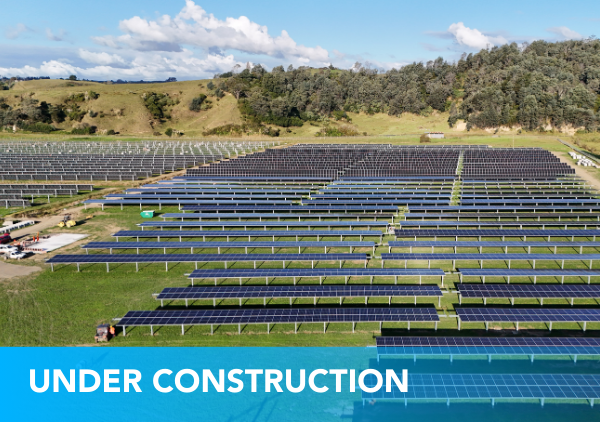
{"x": 196, "y": 104}
{"x": 72, "y": 78}
{"x": 169, "y": 132}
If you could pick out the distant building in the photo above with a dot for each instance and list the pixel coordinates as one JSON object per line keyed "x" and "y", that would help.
{"x": 435, "y": 135}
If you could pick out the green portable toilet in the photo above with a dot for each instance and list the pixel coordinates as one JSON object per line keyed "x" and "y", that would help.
{"x": 147, "y": 214}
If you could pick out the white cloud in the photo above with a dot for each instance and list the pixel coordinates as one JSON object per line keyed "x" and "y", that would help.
{"x": 146, "y": 66}
{"x": 60, "y": 36}
{"x": 565, "y": 33}
{"x": 13, "y": 32}
{"x": 193, "y": 26}
{"x": 473, "y": 38}
{"x": 104, "y": 59}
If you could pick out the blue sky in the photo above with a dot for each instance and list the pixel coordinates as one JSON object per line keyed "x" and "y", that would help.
{"x": 187, "y": 39}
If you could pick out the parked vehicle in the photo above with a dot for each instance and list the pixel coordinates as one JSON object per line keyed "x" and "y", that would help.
{"x": 8, "y": 248}
{"x": 15, "y": 255}
{"x": 5, "y": 238}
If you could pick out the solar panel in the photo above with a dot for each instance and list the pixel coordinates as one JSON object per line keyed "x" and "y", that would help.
{"x": 503, "y": 208}
{"x": 264, "y": 224}
{"x": 150, "y": 201}
{"x": 491, "y": 386}
{"x": 498, "y": 223}
{"x": 271, "y": 215}
{"x": 409, "y": 341}
{"x": 124, "y": 258}
{"x": 496, "y": 233}
{"x": 489, "y": 314}
{"x": 244, "y": 233}
{"x": 487, "y": 244}
{"x": 529, "y": 291}
{"x": 277, "y": 315}
{"x": 516, "y": 272}
{"x": 487, "y": 256}
{"x": 315, "y": 272}
{"x": 298, "y": 208}
{"x": 241, "y": 292}
{"x": 237, "y": 244}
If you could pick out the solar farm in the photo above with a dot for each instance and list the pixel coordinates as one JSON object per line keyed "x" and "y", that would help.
{"x": 451, "y": 253}
{"x": 373, "y": 241}
{"x": 351, "y": 240}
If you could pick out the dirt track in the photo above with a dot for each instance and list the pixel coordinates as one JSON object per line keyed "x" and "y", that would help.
{"x": 582, "y": 172}
{"x": 11, "y": 270}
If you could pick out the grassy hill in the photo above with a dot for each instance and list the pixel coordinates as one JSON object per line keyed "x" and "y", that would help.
{"x": 123, "y": 107}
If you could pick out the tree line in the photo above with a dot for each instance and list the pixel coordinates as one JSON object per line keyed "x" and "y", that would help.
{"x": 535, "y": 86}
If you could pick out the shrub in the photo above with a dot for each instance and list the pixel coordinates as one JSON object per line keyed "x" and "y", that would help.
{"x": 196, "y": 104}
{"x": 337, "y": 131}
{"x": 110, "y": 132}
{"x": 36, "y": 127}
{"x": 424, "y": 139}
{"x": 88, "y": 130}
{"x": 169, "y": 132}
{"x": 339, "y": 115}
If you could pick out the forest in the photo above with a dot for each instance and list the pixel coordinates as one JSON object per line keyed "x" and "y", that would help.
{"x": 537, "y": 86}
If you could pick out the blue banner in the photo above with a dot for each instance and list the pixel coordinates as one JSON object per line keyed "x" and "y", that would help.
{"x": 291, "y": 384}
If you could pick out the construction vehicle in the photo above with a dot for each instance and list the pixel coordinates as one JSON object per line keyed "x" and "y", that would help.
{"x": 67, "y": 221}
{"x": 103, "y": 333}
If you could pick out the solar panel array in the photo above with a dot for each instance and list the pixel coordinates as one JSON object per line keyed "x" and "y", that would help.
{"x": 18, "y": 195}
{"x": 411, "y": 341}
{"x": 513, "y": 163}
{"x": 529, "y": 291}
{"x": 108, "y": 160}
{"x": 408, "y": 345}
{"x": 247, "y": 292}
{"x": 316, "y": 272}
{"x": 277, "y": 316}
{"x": 364, "y": 186}
{"x": 489, "y": 314}
{"x": 332, "y": 161}
{"x": 491, "y": 386}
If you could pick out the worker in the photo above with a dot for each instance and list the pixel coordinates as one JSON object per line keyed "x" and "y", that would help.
{"x": 111, "y": 330}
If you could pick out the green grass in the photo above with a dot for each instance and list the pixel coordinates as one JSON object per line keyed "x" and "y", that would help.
{"x": 63, "y": 307}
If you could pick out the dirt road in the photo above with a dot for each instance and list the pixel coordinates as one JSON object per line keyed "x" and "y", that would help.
{"x": 583, "y": 172}
{"x": 11, "y": 270}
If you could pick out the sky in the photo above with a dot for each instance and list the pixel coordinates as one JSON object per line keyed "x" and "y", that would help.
{"x": 195, "y": 39}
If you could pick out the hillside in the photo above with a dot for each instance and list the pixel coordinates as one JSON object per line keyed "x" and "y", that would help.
{"x": 122, "y": 106}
